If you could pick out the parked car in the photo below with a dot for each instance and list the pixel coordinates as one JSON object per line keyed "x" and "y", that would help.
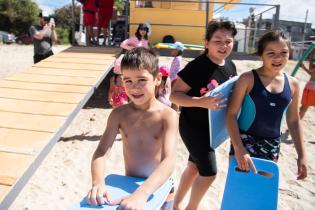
{"x": 7, "y": 37}
{"x": 24, "y": 39}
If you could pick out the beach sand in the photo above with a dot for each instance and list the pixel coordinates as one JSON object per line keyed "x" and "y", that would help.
{"x": 63, "y": 178}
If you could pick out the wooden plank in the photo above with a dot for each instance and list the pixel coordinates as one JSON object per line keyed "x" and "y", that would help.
{"x": 7, "y": 180}
{"x": 4, "y": 191}
{"x": 91, "y": 50}
{"x": 63, "y": 72}
{"x": 44, "y": 87}
{"x": 104, "y": 61}
{"x": 50, "y": 79}
{"x": 44, "y": 96}
{"x": 85, "y": 55}
{"x": 31, "y": 122}
{"x": 24, "y": 139}
{"x": 72, "y": 65}
{"x": 12, "y": 165}
{"x": 36, "y": 107}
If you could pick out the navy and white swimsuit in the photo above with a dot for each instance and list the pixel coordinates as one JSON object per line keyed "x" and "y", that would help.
{"x": 260, "y": 119}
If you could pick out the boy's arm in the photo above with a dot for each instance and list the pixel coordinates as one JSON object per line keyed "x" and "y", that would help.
{"x": 236, "y": 99}
{"x": 98, "y": 192}
{"x": 163, "y": 171}
{"x": 293, "y": 121}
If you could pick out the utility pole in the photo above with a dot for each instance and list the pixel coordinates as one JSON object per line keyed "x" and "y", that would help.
{"x": 305, "y": 23}
{"x": 303, "y": 33}
{"x": 73, "y": 24}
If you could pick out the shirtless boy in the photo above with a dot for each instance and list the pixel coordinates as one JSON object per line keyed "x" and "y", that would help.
{"x": 149, "y": 134}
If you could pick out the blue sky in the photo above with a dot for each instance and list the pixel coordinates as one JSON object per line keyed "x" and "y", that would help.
{"x": 293, "y": 10}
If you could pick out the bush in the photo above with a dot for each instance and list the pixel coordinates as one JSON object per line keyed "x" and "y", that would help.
{"x": 63, "y": 35}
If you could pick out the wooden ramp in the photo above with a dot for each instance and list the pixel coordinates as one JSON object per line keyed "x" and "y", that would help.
{"x": 37, "y": 105}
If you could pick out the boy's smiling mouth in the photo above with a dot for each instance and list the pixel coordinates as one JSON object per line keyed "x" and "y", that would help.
{"x": 137, "y": 95}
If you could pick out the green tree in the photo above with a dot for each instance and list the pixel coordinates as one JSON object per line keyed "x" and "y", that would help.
{"x": 17, "y": 16}
{"x": 63, "y": 16}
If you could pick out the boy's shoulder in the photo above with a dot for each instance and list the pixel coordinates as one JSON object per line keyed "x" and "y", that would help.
{"x": 167, "y": 112}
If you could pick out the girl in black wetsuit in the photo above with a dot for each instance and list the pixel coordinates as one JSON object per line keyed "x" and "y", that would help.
{"x": 191, "y": 92}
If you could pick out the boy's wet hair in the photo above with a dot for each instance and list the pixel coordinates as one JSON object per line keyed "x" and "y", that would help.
{"x": 271, "y": 36}
{"x": 215, "y": 25}
{"x": 141, "y": 58}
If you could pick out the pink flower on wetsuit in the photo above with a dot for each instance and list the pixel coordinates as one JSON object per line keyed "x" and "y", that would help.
{"x": 211, "y": 85}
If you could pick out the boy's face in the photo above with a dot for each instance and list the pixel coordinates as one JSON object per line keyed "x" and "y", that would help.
{"x": 276, "y": 55}
{"x": 140, "y": 85}
{"x": 220, "y": 45}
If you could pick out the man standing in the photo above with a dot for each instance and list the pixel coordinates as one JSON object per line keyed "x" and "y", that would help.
{"x": 105, "y": 13}
{"x": 44, "y": 36}
{"x": 89, "y": 19}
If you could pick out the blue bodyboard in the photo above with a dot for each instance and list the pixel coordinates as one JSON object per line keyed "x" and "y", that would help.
{"x": 250, "y": 191}
{"x": 121, "y": 186}
{"x": 217, "y": 124}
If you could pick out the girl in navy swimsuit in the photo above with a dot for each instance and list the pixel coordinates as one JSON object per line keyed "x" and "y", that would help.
{"x": 265, "y": 95}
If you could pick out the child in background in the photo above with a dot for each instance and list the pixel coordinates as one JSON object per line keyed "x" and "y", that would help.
{"x": 149, "y": 134}
{"x": 176, "y": 65}
{"x": 164, "y": 89}
{"x": 140, "y": 39}
{"x": 191, "y": 91}
{"x": 116, "y": 94}
{"x": 308, "y": 97}
{"x": 177, "y": 52}
{"x": 264, "y": 95}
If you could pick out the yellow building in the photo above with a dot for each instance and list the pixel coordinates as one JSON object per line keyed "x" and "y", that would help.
{"x": 184, "y": 20}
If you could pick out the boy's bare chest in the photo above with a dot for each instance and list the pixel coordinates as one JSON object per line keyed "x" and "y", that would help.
{"x": 146, "y": 126}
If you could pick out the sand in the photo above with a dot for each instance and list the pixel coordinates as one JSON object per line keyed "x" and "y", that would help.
{"x": 64, "y": 176}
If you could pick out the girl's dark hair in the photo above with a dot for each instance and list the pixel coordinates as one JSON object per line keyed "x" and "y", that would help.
{"x": 215, "y": 25}
{"x": 141, "y": 58}
{"x": 142, "y": 26}
{"x": 271, "y": 36}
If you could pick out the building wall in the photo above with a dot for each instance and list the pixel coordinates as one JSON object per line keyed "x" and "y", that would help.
{"x": 185, "y": 21}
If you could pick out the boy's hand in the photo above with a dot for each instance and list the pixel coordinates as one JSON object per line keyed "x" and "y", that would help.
{"x": 212, "y": 102}
{"x": 133, "y": 202}
{"x": 302, "y": 168}
{"x": 98, "y": 195}
{"x": 244, "y": 161}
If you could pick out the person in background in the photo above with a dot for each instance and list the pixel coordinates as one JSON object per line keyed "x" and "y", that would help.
{"x": 89, "y": 19}
{"x": 116, "y": 94}
{"x": 308, "y": 97}
{"x": 140, "y": 39}
{"x": 105, "y": 13}
{"x": 176, "y": 65}
{"x": 264, "y": 95}
{"x": 44, "y": 36}
{"x": 163, "y": 91}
